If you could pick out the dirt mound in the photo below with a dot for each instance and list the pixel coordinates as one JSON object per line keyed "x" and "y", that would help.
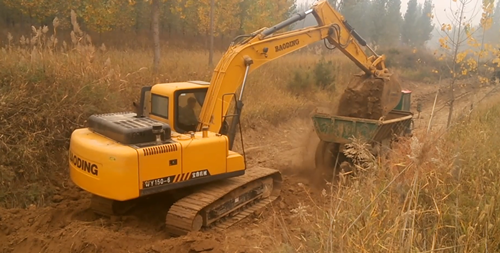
{"x": 70, "y": 226}
{"x": 368, "y": 97}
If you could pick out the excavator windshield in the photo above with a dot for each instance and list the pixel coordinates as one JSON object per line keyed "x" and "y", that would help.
{"x": 187, "y": 107}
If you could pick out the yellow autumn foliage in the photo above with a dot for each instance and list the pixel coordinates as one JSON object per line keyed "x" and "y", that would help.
{"x": 444, "y": 43}
{"x": 265, "y": 12}
{"x": 103, "y": 16}
{"x": 230, "y": 16}
{"x": 461, "y": 56}
{"x": 224, "y": 19}
{"x": 469, "y": 58}
{"x": 486, "y": 17}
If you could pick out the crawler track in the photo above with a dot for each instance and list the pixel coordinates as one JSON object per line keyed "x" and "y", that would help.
{"x": 222, "y": 204}
{"x": 216, "y": 205}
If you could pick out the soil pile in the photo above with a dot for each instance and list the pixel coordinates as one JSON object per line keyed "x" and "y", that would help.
{"x": 368, "y": 97}
{"x": 68, "y": 225}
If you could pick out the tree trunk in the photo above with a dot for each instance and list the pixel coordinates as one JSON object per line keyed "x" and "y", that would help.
{"x": 450, "y": 112}
{"x": 155, "y": 23}
{"x": 455, "y": 53}
{"x": 211, "y": 50}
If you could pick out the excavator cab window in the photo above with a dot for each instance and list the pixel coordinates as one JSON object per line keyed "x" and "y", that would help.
{"x": 188, "y": 108}
{"x": 159, "y": 105}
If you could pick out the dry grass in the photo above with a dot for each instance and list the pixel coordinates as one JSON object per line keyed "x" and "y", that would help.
{"x": 48, "y": 88}
{"x": 437, "y": 193}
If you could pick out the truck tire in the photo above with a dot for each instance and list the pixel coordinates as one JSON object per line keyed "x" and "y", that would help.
{"x": 326, "y": 156}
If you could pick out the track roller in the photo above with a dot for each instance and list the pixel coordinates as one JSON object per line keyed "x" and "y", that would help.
{"x": 222, "y": 204}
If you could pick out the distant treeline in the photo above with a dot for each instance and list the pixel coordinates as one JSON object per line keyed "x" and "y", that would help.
{"x": 177, "y": 17}
{"x": 380, "y": 22}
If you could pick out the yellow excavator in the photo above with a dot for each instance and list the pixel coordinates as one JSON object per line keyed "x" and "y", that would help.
{"x": 125, "y": 156}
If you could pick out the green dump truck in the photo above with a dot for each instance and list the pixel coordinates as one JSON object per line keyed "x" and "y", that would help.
{"x": 336, "y": 131}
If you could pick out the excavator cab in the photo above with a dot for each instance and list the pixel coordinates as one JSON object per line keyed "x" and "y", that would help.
{"x": 157, "y": 104}
{"x": 178, "y": 104}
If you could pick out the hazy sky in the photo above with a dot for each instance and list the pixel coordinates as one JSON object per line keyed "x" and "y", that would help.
{"x": 443, "y": 10}
{"x": 440, "y": 15}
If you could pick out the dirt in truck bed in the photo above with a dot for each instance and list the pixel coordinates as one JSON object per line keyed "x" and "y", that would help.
{"x": 362, "y": 98}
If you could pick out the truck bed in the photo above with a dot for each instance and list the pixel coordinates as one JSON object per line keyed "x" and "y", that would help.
{"x": 338, "y": 129}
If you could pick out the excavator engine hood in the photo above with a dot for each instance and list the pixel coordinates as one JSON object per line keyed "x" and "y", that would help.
{"x": 127, "y": 128}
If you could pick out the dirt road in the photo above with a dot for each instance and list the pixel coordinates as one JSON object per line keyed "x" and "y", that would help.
{"x": 68, "y": 225}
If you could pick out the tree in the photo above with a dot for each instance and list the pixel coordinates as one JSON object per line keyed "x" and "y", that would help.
{"x": 185, "y": 17}
{"x": 357, "y": 13}
{"x": 347, "y": 7}
{"x": 458, "y": 32}
{"x": 493, "y": 35}
{"x": 424, "y": 24}
{"x": 197, "y": 12}
{"x": 104, "y": 16}
{"x": 155, "y": 23}
{"x": 264, "y": 13}
{"x": 337, "y": 4}
{"x": 392, "y": 21}
{"x": 496, "y": 16}
{"x": 408, "y": 35}
{"x": 211, "y": 50}
{"x": 378, "y": 20}
{"x": 485, "y": 24}
{"x": 97, "y": 15}
{"x": 224, "y": 22}
{"x": 417, "y": 24}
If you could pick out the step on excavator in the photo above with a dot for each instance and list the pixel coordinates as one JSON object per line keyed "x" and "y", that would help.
{"x": 180, "y": 140}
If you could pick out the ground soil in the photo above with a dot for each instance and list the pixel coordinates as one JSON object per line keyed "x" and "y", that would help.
{"x": 68, "y": 225}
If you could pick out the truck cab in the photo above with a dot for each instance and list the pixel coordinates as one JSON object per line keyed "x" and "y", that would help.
{"x": 405, "y": 101}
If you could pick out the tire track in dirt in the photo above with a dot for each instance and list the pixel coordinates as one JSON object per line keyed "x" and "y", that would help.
{"x": 467, "y": 93}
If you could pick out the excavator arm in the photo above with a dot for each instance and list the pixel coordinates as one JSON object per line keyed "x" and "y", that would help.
{"x": 254, "y": 50}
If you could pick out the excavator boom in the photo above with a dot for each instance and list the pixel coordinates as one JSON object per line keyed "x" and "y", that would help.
{"x": 258, "y": 48}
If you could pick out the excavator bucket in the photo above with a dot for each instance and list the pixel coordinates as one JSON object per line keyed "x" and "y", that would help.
{"x": 369, "y": 97}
